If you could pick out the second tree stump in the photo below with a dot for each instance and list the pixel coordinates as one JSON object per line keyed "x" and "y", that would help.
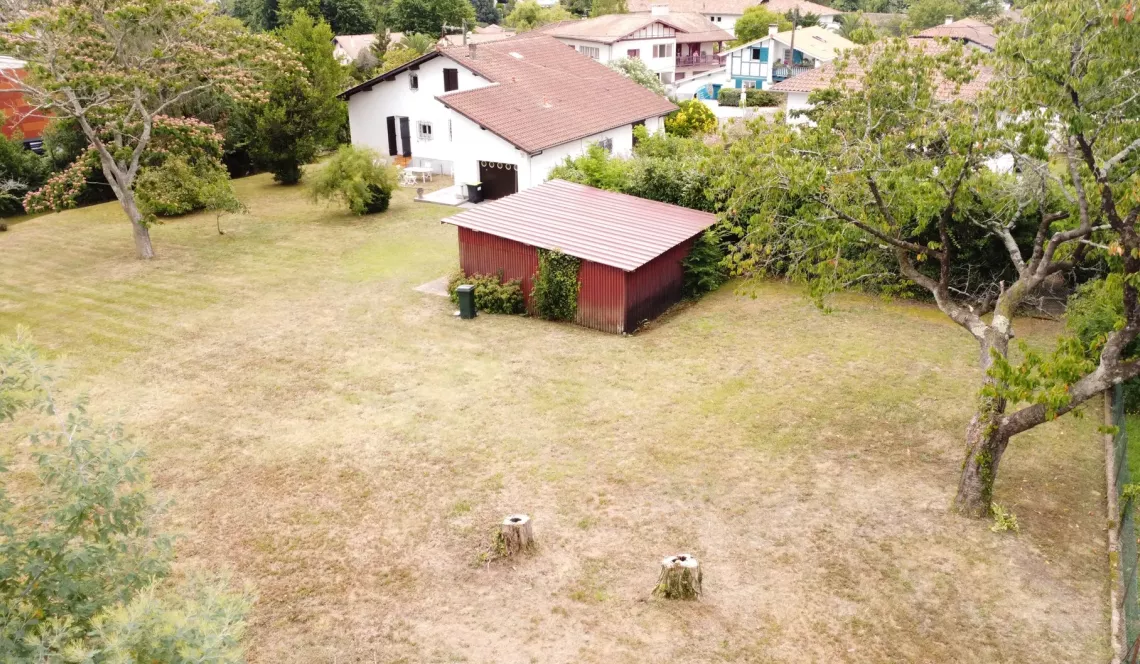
{"x": 680, "y": 578}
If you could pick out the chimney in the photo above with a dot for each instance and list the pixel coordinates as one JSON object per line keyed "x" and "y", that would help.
{"x": 949, "y": 20}
{"x": 773, "y": 29}
{"x": 471, "y": 51}
{"x": 659, "y": 10}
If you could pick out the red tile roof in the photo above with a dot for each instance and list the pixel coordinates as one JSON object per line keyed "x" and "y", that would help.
{"x": 613, "y": 229}
{"x": 732, "y": 6}
{"x": 823, "y": 77}
{"x": 967, "y": 29}
{"x": 609, "y": 28}
{"x": 547, "y": 94}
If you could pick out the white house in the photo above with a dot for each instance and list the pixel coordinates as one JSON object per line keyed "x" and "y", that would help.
{"x": 503, "y": 114}
{"x": 782, "y": 55}
{"x": 724, "y": 13}
{"x": 671, "y": 45}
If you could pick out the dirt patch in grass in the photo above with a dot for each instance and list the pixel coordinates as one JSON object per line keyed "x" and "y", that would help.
{"x": 345, "y": 444}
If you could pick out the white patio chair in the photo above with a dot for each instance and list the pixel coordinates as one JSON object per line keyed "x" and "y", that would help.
{"x": 407, "y": 179}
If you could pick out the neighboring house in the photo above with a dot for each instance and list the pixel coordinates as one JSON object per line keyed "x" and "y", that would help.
{"x": 798, "y": 89}
{"x": 346, "y": 48}
{"x": 503, "y": 114}
{"x": 671, "y": 45}
{"x": 476, "y": 37}
{"x": 782, "y": 55}
{"x": 20, "y": 119}
{"x": 969, "y": 31}
{"x": 724, "y": 13}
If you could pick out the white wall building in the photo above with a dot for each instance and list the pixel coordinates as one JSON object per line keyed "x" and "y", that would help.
{"x": 724, "y": 13}
{"x": 672, "y": 46}
{"x": 772, "y": 59}
{"x": 503, "y": 114}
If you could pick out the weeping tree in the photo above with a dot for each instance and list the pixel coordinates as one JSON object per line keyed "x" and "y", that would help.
{"x": 904, "y": 179}
{"x": 115, "y": 66}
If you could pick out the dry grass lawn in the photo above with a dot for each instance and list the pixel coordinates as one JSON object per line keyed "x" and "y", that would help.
{"x": 343, "y": 443}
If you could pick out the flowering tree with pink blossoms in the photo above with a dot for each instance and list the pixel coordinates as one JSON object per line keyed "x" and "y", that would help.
{"x": 117, "y": 67}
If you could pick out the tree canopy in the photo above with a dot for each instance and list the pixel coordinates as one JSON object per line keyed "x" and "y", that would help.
{"x": 429, "y": 16}
{"x": 899, "y": 182}
{"x": 603, "y": 7}
{"x": 754, "y": 24}
{"x": 529, "y": 15}
{"x": 637, "y": 71}
{"x": 152, "y": 55}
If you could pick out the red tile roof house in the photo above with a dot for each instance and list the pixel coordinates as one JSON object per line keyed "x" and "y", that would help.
{"x": 503, "y": 114}
{"x": 672, "y": 45}
{"x": 724, "y": 13}
{"x": 631, "y": 248}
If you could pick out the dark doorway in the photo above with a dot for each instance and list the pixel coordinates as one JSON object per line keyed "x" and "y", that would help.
{"x": 405, "y": 137}
{"x": 498, "y": 179}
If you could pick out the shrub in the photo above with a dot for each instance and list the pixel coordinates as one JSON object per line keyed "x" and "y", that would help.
{"x": 81, "y": 568}
{"x": 492, "y": 294}
{"x": 358, "y": 178}
{"x": 728, "y": 97}
{"x": 752, "y": 98}
{"x": 704, "y": 266}
{"x": 596, "y": 168}
{"x": 691, "y": 119}
{"x": 556, "y": 285}
{"x": 20, "y": 171}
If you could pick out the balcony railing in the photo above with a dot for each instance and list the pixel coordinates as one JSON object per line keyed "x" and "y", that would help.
{"x": 781, "y": 72}
{"x": 700, "y": 59}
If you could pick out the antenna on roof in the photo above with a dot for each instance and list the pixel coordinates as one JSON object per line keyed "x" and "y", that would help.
{"x": 461, "y": 28}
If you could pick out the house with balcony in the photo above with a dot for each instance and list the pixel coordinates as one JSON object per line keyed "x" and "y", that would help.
{"x": 502, "y": 114}
{"x": 671, "y": 45}
{"x": 782, "y": 55}
{"x": 724, "y": 13}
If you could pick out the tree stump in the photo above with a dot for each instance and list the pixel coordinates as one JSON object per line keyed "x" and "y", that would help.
{"x": 680, "y": 578}
{"x": 515, "y": 536}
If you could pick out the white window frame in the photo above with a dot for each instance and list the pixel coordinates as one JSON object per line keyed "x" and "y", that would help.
{"x": 590, "y": 51}
{"x": 424, "y": 130}
{"x": 414, "y": 80}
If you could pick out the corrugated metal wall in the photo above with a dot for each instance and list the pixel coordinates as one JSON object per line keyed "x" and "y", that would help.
{"x": 610, "y": 299}
{"x": 655, "y": 286}
{"x": 481, "y": 253}
{"x": 601, "y": 297}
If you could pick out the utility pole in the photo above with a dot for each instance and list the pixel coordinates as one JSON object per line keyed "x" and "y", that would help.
{"x": 795, "y": 23}
{"x": 462, "y": 28}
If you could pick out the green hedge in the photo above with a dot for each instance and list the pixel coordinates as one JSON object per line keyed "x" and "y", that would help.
{"x": 556, "y": 285}
{"x": 704, "y": 266}
{"x": 492, "y": 294}
{"x": 753, "y": 98}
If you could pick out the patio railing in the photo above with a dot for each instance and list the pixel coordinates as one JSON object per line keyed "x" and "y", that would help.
{"x": 782, "y": 72}
{"x": 699, "y": 59}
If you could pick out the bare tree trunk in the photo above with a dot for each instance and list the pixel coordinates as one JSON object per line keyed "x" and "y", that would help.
{"x": 121, "y": 182}
{"x": 1112, "y": 507}
{"x": 985, "y": 440}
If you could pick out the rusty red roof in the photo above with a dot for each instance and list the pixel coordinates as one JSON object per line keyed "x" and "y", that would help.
{"x": 547, "y": 94}
{"x": 605, "y": 227}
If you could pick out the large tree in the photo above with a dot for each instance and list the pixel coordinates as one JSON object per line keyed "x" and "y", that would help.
{"x": 529, "y": 15}
{"x": 754, "y": 24}
{"x": 429, "y": 16}
{"x": 896, "y": 173}
{"x": 116, "y": 66}
{"x": 302, "y": 115}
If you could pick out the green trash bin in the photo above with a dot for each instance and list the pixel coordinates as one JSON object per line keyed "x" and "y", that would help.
{"x": 466, "y": 294}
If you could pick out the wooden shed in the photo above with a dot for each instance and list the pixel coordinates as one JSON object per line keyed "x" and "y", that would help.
{"x": 631, "y": 248}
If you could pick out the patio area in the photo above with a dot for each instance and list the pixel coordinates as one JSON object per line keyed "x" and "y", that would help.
{"x": 454, "y": 195}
